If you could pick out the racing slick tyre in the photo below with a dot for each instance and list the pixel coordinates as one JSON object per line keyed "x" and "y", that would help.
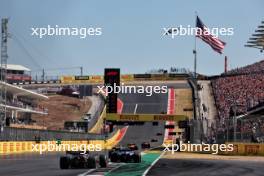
{"x": 113, "y": 157}
{"x": 124, "y": 158}
{"x": 64, "y": 162}
{"x": 102, "y": 161}
{"x": 91, "y": 163}
{"x": 137, "y": 158}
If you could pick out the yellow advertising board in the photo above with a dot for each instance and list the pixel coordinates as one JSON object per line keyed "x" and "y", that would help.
{"x": 126, "y": 78}
{"x": 96, "y": 79}
{"x": 67, "y": 79}
{"x": 144, "y": 117}
{"x": 81, "y": 79}
{"x": 246, "y": 149}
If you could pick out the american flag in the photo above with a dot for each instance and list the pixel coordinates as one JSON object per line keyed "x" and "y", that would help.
{"x": 204, "y": 34}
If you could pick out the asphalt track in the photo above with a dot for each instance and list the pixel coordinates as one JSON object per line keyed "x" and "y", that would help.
{"x": 142, "y": 104}
{"x": 48, "y": 165}
{"x": 35, "y": 165}
{"x": 206, "y": 167}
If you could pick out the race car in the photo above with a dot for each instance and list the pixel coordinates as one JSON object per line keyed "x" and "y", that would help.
{"x": 126, "y": 155}
{"x": 145, "y": 145}
{"x": 159, "y": 134}
{"x": 78, "y": 159}
{"x": 154, "y": 140}
{"x": 132, "y": 146}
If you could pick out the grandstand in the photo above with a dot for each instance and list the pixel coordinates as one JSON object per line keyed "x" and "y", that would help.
{"x": 236, "y": 93}
{"x": 251, "y": 125}
{"x": 257, "y": 39}
{"x": 20, "y": 104}
{"x": 257, "y": 67}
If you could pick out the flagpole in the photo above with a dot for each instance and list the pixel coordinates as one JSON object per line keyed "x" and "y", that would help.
{"x": 197, "y": 112}
{"x": 195, "y": 52}
{"x": 195, "y": 58}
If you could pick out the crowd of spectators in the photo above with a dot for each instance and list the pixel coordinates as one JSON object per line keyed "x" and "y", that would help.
{"x": 238, "y": 91}
{"x": 257, "y": 67}
{"x": 252, "y": 125}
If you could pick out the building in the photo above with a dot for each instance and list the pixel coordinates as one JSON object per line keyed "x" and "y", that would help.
{"x": 20, "y": 104}
{"x": 17, "y": 73}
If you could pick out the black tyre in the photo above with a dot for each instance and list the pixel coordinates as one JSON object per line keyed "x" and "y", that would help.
{"x": 91, "y": 163}
{"x": 110, "y": 153}
{"x": 64, "y": 163}
{"x": 102, "y": 161}
{"x": 113, "y": 158}
{"x": 124, "y": 158}
{"x": 137, "y": 158}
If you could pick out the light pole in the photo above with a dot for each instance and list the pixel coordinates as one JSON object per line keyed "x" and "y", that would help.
{"x": 4, "y": 57}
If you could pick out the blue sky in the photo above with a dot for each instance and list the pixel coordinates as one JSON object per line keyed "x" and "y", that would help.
{"x": 132, "y": 34}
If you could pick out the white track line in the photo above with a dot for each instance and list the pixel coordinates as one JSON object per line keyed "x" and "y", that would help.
{"x": 115, "y": 168}
{"x": 87, "y": 172}
{"x": 152, "y": 164}
{"x": 135, "y": 110}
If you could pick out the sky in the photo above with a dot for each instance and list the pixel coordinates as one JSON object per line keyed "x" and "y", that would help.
{"x": 132, "y": 34}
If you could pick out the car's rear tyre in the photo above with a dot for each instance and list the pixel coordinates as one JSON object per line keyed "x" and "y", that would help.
{"x": 137, "y": 158}
{"x": 102, "y": 161}
{"x": 91, "y": 163}
{"x": 64, "y": 163}
{"x": 124, "y": 158}
{"x": 113, "y": 158}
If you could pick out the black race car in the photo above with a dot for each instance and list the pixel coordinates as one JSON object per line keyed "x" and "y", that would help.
{"x": 154, "y": 140}
{"x": 132, "y": 146}
{"x": 145, "y": 145}
{"x": 159, "y": 134}
{"x": 76, "y": 159}
{"x": 126, "y": 155}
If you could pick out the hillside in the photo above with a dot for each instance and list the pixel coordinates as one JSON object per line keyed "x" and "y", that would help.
{"x": 61, "y": 109}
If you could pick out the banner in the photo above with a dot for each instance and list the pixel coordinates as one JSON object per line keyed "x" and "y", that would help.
{"x": 96, "y": 79}
{"x": 144, "y": 117}
{"x": 126, "y": 78}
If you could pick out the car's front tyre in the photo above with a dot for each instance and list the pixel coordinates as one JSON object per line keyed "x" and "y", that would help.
{"x": 102, "y": 161}
{"x": 64, "y": 162}
{"x": 91, "y": 163}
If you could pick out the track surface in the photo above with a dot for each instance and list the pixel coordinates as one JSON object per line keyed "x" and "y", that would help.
{"x": 206, "y": 167}
{"x": 48, "y": 165}
{"x": 142, "y": 104}
{"x": 38, "y": 165}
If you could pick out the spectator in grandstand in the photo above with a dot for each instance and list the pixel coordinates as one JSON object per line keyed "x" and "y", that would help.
{"x": 249, "y": 69}
{"x": 241, "y": 91}
{"x": 237, "y": 91}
